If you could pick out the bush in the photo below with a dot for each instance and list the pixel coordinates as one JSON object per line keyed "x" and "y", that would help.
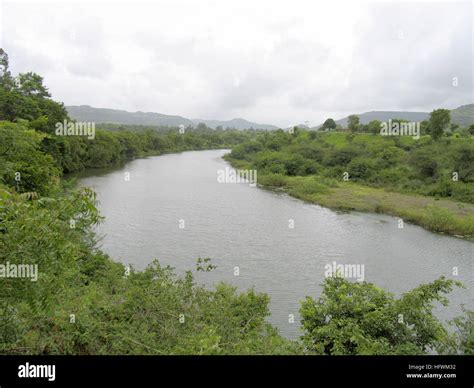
{"x": 360, "y": 318}
{"x": 438, "y": 219}
{"x": 461, "y": 340}
{"x": 273, "y": 180}
{"x": 308, "y": 186}
{"x": 20, "y": 153}
{"x": 361, "y": 168}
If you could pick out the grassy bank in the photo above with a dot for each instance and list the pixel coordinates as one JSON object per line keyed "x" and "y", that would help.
{"x": 438, "y": 215}
{"x": 425, "y": 181}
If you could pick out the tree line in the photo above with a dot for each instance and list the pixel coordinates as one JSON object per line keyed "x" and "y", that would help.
{"x": 438, "y": 125}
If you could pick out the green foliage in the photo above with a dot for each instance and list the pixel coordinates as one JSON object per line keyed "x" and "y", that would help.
{"x": 109, "y": 148}
{"x": 353, "y": 123}
{"x": 399, "y": 164}
{"x": 360, "y": 318}
{"x": 22, "y": 163}
{"x": 150, "y": 312}
{"x": 463, "y": 157}
{"x": 6, "y": 80}
{"x": 31, "y": 85}
{"x": 461, "y": 340}
{"x": 362, "y": 168}
{"x": 38, "y": 232}
{"x": 439, "y": 122}
{"x": 25, "y": 97}
{"x": 425, "y": 165}
{"x": 438, "y": 219}
{"x": 373, "y": 127}
{"x": 273, "y": 180}
{"x": 329, "y": 124}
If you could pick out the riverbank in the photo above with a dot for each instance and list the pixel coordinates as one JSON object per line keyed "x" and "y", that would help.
{"x": 437, "y": 215}
{"x": 92, "y": 171}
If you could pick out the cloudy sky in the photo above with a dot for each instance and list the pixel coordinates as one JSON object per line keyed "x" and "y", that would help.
{"x": 273, "y": 62}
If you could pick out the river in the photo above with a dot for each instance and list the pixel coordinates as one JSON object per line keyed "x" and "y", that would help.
{"x": 172, "y": 208}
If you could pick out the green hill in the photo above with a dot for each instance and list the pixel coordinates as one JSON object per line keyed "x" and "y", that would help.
{"x": 463, "y": 116}
{"x": 115, "y": 116}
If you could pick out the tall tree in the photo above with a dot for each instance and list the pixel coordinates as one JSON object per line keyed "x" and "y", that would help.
{"x": 6, "y": 79}
{"x": 329, "y": 124}
{"x": 439, "y": 121}
{"x": 31, "y": 85}
{"x": 353, "y": 123}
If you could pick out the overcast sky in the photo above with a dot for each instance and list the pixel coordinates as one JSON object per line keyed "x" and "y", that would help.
{"x": 272, "y": 62}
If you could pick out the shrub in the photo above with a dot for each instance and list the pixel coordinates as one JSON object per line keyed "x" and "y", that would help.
{"x": 360, "y": 318}
{"x": 437, "y": 218}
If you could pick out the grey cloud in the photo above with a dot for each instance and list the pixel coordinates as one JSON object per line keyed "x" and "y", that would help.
{"x": 400, "y": 56}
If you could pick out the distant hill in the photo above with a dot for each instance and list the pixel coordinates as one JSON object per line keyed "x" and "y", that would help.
{"x": 464, "y": 116}
{"x": 234, "y": 123}
{"x": 367, "y": 117}
{"x": 114, "y": 116}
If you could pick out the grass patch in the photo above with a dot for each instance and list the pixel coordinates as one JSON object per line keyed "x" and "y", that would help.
{"x": 446, "y": 216}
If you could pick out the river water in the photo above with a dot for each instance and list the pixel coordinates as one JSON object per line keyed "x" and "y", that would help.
{"x": 173, "y": 208}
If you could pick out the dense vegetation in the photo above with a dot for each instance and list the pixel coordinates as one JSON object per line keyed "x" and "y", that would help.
{"x": 366, "y": 171}
{"x": 85, "y": 303}
{"x": 355, "y": 319}
{"x": 112, "y": 147}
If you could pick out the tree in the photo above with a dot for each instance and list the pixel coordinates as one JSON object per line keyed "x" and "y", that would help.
{"x": 27, "y": 98}
{"x": 424, "y": 127}
{"x": 438, "y": 122}
{"x": 463, "y": 157}
{"x": 329, "y": 124}
{"x": 202, "y": 127}
{"x": 424, "y": 163}
{"x": 12, "y": 105}
{"x": 460, "y": 341}
{"x": 6, "y": 79}
{"x": 361, "y": 318}
{"x": 374, "y": 127}
{"x": 22, "y": 163}
{"x": 31, "y": 85}
{"x": 353, "y": 123}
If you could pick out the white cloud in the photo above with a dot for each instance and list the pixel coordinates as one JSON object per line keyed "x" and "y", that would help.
{"x": 267, "y": 61}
